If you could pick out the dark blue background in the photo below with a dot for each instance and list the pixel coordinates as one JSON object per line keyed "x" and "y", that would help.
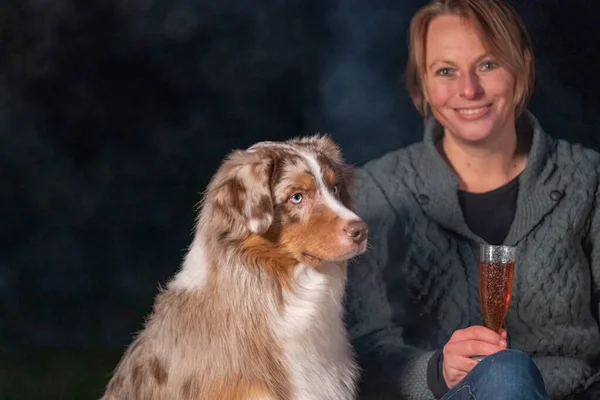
{"x": 114, "y": 114}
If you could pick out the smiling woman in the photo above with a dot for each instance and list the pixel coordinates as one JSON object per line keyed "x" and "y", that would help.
{"x": 509, "y": 43}
{"x": 485, "y": 172}
{"x": 463, "y": 83}
{"x": 474, "y": 73}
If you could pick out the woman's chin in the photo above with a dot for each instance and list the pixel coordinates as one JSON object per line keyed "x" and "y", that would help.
{"x": 474, "y": 131}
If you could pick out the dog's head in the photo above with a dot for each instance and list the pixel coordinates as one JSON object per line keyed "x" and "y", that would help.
{"x": 289, "y": 200}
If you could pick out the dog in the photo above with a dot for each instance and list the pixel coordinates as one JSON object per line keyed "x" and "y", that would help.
{"x": 255, "y": 309}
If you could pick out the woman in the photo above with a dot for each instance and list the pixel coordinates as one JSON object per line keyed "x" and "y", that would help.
{"x": 485, "y": 172}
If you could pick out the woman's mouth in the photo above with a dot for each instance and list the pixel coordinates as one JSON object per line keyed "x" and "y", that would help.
{"x": 473, "y": 112}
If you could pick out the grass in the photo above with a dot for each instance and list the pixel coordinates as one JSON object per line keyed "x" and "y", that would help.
{"x": 55, "y": 373}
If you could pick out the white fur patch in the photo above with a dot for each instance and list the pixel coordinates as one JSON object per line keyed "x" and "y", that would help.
{"x": 319, "y": 359}
{"x": 193, "y": 271}
{"x": 260, "y": 225}
{"x": 333, "y": 203}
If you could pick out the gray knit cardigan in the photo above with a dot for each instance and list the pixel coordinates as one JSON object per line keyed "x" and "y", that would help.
{"x": 419, "y": 282}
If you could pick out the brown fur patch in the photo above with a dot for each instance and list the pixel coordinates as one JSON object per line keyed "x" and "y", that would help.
{"x": 158, "y": 371}
{"x": 299, "y": 181}
{"x": 317, "y": 237}
{"x": 330, "y": 177}
{"x": 188, "y": 390}
{"x": 137, "y": 378}
{"x": 264, "y": 252}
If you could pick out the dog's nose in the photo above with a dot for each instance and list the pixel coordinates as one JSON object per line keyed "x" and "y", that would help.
{"x": 357, "y": 231}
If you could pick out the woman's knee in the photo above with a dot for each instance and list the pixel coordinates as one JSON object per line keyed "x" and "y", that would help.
{"x": 512, "y": 364}
{"x": 510, "y": 374}
{"x": 510, "y": 356}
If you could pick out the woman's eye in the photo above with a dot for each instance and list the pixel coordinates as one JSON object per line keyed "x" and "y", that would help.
{"x": 489, "y": 65}
{"x": 443, "y": 72}
{"x": 296, "y": 198}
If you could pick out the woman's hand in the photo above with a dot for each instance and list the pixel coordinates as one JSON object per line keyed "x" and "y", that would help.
{"x": 466, "y": 343}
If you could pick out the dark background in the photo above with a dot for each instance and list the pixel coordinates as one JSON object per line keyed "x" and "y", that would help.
{"x": 114, "y": 115}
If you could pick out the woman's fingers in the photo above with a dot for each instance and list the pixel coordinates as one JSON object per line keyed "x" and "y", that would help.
{"x": 464, "y": 344}
{"x": 470, "y": 348}
{"x": 478, "y": 332}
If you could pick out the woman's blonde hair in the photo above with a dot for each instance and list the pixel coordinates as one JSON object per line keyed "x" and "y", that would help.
{"x": 504, "y": 34}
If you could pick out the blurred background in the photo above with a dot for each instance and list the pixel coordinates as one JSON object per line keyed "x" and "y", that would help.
{"x": 115, "y": 113}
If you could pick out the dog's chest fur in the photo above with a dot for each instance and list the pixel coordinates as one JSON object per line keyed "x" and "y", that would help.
{"x": 313, "y": 339}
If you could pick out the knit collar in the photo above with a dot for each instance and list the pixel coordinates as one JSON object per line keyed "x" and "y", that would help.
{"x": 539, "y": 185}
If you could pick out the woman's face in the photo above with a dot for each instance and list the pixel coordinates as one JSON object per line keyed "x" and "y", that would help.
{"x": 469, "y": 93}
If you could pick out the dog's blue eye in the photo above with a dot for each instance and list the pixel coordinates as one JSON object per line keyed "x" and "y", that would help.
{"x": 336, "y": 189}
{"x": 296, "y": 198}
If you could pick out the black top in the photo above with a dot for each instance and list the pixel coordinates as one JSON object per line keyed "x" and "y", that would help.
{"x": 489, "y": 215}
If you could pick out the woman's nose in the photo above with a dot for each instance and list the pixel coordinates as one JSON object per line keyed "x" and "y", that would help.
{"x": 470, "y": 87}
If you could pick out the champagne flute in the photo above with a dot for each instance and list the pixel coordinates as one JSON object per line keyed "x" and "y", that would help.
{"x": 496, "y": 272}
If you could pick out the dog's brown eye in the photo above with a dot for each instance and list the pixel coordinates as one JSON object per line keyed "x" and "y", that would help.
{"x": 296, "y": 198}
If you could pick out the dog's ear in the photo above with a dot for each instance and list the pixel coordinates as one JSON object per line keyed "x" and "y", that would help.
{"x": 241, "y": 192}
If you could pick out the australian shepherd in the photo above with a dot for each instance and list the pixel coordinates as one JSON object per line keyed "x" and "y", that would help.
{"x": 255, "y": 311}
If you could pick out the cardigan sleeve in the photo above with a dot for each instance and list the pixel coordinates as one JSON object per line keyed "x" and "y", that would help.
{"x": 594, "y": 245}
{"x": 390, "y": 367}
{"x": 558, "y": 371}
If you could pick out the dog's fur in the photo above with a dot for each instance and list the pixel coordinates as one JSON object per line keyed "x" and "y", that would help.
{"x": 256, "y": 310}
